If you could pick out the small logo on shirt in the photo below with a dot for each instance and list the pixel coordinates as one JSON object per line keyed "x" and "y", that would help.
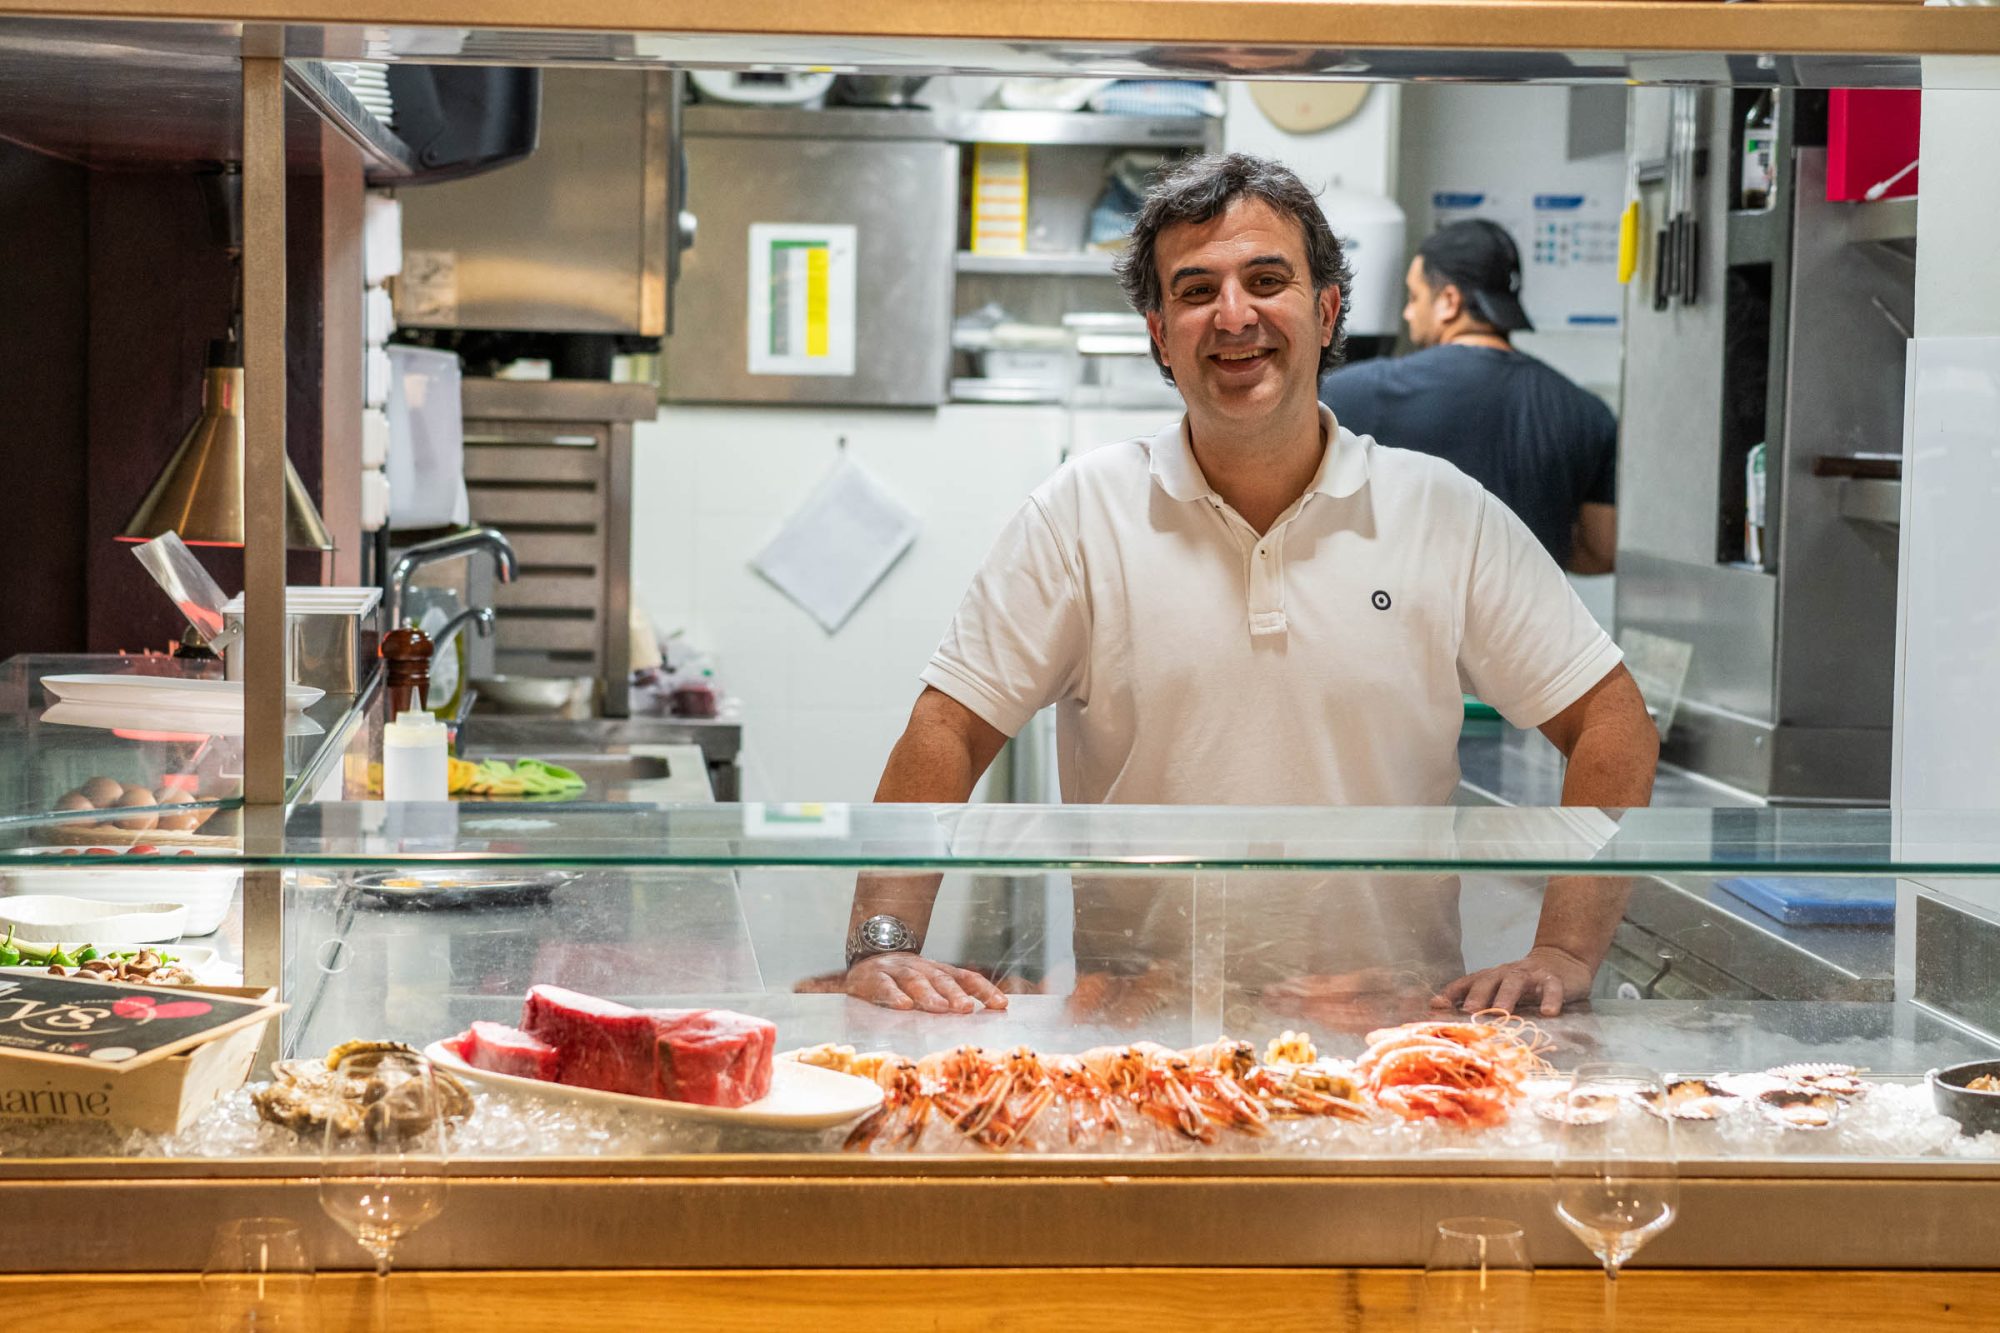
{"x": 1379, "y": 600}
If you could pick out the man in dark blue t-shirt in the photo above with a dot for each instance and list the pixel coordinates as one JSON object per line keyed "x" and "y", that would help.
{"x": 1545, "y": 447}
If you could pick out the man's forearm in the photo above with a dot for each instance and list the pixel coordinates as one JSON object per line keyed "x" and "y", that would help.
{"x": 936, "y": 762}
{"x": 1610, "y": 766}
{"x": 1612, "y": 763}
{"x": 1580, "y": 913}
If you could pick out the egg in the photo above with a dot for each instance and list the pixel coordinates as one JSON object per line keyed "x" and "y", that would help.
{"x": 103, "y": 793}
{"x": 181, "y": 822}
{"x": 140, "y": 802}
{"x": 74, "y": 800}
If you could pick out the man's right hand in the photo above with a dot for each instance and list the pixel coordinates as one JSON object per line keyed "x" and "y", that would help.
{"x": 912, "y": 981}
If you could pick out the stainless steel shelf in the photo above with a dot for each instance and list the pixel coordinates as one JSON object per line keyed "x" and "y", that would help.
{"x": 1084, "y": 265}
{"x": 1757, "y": 235}
{"x": 1075, "y": 128}
{"x": 1085, "y": 128}
{"x": 161, "y": 96}
{"x": 1885, "y": 220}
{"x": 1872, "y": 500}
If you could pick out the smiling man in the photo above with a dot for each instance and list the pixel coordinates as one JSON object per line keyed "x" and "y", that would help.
{"x": 1258, "y": 607}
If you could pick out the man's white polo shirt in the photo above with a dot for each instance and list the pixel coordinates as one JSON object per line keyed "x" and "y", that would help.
{"x": 1193, "y": 662}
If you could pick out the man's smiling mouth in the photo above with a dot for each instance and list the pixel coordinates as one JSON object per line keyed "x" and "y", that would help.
{"x": 1245, "y": 354}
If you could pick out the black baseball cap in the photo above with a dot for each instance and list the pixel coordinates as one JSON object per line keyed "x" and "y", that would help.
{"x": 1478, "y": 257}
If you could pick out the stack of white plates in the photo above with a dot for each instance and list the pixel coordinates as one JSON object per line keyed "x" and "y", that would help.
{"x": 308, "y": 600}
{"x": 166, "y": 694}
{"x": 368, "y": 80}
{"x": 206, "y": 891}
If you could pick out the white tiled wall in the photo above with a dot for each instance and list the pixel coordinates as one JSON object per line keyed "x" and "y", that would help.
{"x": 712, "y": 484}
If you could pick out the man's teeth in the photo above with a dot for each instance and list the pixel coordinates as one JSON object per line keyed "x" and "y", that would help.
{"x": 1241, "y": 356}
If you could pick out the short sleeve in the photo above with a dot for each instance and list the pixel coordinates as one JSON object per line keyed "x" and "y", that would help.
{"x": 1529, "y": 648}
{"x": 1601, "y": 471}
{"x": 1018, "y": 641}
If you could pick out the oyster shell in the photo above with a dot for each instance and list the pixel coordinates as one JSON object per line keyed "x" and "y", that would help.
{"x": 304, "y": 1095}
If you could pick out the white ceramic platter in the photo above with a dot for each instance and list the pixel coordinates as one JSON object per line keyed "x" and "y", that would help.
{"x": 206, "y": 891}
{"x": 167, "y": 692}
{"x": 208, "y": 970}
{"x": 46, "y": 918}
{"x": 801, "y": 1097}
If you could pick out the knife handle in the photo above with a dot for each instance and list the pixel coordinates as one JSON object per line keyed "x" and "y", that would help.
{"x": 1660, "y": 270}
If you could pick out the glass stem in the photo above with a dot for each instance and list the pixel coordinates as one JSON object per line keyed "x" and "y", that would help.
{"x": 380, "y": 1282}
{"x": 1610, "y": 1297}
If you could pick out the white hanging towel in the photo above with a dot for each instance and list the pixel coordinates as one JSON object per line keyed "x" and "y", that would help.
{"x": 837, "y": 546}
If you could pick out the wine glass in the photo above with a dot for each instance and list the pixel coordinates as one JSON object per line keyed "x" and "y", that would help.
{"x": 1616, "y": 1181}
{"x": 258, "y": 1277}
{"x": 1476, "y": 1278}
{"x": 382, "y": 1171}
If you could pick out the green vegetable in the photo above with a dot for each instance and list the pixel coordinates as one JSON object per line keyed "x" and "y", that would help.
{"x": 9, "y": 955}
{"x": 61, "y": 959}
{"x": 86, "y": 953}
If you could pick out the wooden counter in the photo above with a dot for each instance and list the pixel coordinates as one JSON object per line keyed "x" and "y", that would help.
{"x": 1272, "y": 1300}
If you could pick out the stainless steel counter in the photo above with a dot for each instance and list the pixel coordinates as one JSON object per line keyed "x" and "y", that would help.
{"x": 1503, "y": 765}
{"x": 1722, "y": 945}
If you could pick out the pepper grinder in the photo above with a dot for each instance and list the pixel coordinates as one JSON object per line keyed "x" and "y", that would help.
{"x": 406, "y": 656}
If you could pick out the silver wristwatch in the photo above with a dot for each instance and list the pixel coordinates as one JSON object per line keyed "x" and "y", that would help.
{"x": 881, "y": 933}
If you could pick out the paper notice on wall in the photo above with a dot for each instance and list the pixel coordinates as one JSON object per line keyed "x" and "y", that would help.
{"x": 1568, "y": 241}
{"x": 801, "y": 299}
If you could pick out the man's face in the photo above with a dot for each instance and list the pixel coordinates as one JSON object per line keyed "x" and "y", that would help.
{"x": 1420, "y": 312}
{"x": 1239, "y": 324}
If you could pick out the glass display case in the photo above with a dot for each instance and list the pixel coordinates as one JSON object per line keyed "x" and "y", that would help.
{"x": 1202, "y": 1005}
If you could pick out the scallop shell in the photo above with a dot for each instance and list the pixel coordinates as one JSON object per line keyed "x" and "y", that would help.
{"x": 1800, "y": 1108}
{"x": 1691, "y": 1099}
{"x": 1565, "y": 1109}
{"x": 1842, "y": 1081}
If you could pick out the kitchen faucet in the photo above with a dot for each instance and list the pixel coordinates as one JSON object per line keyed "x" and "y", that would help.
{"x": 480, "y": 616}
{"x": 448, "y": 547}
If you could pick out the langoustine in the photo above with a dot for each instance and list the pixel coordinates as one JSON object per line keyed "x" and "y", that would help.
{"x": 1468, "y": 1073}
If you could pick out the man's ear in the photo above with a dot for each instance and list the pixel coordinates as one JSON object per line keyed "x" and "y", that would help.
{"x": 1450, "y": 302}
{"x": 1329, "y": 313}
{"x": 1154, "y": 325}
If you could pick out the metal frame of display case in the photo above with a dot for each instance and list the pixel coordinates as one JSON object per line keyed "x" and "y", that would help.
{"x": 837, "y": 1212}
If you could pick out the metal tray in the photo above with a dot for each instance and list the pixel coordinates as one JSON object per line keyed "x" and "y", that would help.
{"x": 451, "y": 886}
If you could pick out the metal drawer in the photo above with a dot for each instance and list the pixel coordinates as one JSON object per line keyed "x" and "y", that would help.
{"x": 533, "y": 462}
{"x": 515, "y": 506}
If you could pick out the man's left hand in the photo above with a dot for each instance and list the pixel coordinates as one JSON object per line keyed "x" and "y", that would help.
{"x": 1553, "y": 975}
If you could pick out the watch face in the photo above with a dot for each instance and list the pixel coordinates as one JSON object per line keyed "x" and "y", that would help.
{"x": 883, "y": 934}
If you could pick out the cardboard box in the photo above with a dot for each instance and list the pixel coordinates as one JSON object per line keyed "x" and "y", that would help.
{"x": 163, "y": 1096}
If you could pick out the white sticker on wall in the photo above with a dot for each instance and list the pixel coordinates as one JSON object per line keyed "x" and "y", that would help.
{"x": 427, "y": 290}
{"x": 801, "y": 299}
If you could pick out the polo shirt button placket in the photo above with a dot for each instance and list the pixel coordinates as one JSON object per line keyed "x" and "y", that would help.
{"x": 1267, "y": 587}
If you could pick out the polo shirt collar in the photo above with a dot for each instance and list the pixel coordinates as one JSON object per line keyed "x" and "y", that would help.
{"x": 1343, "y": 468}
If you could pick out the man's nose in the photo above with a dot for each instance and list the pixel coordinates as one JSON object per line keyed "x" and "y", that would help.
{"x": 1234, "y": 311}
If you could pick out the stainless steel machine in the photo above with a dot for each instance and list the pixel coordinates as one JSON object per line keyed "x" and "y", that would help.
{"x": 583, "y": 236}
{"x": 1789, "y": 332}
{"x": 891, "y": 176}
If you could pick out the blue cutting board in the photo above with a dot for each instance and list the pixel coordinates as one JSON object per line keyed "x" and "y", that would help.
{"x": 1818, "y": 901}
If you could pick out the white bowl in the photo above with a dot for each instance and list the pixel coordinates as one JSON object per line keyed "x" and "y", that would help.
{"x": 206, "y": 891}
{"x": 47, "y": 918}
